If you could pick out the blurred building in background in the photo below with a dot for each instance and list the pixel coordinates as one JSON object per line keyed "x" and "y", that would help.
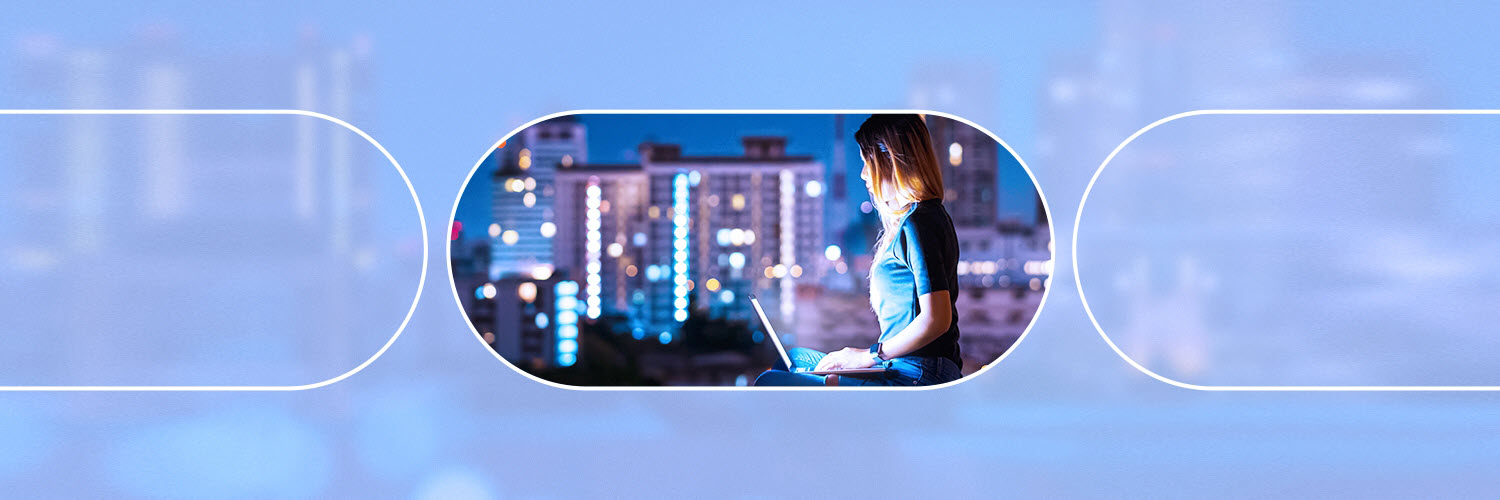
{"x": 970, "y": 161}
{"x": 127, "y": 186}
{"x": 602, "y": 236}
{"x": 523, "y": 193}
{"x": 1280, "y": 166}
{"x": 674, "y": 230}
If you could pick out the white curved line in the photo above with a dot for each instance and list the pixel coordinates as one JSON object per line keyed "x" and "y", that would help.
{"x": 421, "y": 218}
{"x": 1078, "y": 279}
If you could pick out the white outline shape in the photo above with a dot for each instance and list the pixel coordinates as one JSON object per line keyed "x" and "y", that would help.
{"x": 421, "y": 281}
{"x": 1051, "y": 233}
{"x": 1282, "y": 388}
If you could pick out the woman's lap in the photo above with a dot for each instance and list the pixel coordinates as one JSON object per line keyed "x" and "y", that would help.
{"x": 904, "y": 371}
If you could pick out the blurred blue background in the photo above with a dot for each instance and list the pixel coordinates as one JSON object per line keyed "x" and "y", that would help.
{"x": 438, "y": 417}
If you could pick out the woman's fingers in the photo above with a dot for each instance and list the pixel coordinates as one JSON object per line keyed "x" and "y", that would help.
{"x": 840, "y": 359}
{"x": 832, "y": 361}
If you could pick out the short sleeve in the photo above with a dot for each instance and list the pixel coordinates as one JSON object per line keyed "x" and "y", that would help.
{"x": 925, "y": 253}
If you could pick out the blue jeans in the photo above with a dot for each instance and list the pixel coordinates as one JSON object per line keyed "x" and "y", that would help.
{"x": 905, "y": 370}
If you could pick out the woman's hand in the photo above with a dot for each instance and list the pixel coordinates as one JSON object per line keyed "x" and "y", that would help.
{"x": 846, "y": 358}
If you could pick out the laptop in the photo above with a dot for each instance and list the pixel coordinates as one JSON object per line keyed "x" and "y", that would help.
{"x": 776, "y": 339}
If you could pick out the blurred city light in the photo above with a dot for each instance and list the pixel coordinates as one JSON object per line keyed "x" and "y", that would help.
{"x": 813, "y": 189}
{"x": 541, "y": 272}
{"x": 567, "y": 322}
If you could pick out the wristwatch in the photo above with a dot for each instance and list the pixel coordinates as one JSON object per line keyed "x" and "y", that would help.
{"x": 876, "y": 351}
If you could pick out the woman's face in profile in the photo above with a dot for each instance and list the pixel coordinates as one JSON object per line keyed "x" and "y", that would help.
{"x": 864, "y": 173}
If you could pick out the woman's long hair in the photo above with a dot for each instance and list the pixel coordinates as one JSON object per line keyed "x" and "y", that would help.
{"x": 898, "y": 155}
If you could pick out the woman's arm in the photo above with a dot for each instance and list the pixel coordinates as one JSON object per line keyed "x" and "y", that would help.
{"x": 931, "y": 323}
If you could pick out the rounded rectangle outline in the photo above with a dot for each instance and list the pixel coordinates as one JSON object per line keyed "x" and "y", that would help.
{"x": 1077, "y": 280}
{"x": 458, "y": 301}
{"x": 421, "y": 280}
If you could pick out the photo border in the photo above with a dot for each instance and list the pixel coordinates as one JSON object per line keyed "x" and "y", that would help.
{"x": 1051, "y": 225}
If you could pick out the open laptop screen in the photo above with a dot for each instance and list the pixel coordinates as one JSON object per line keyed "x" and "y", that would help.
{"x": 771, "y": 332}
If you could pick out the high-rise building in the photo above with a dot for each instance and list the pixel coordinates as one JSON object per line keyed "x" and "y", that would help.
{"x": 842, "y": 230}
{"x": 524, "y": 188}
{"x": 675, "y": 231}
{"x": 970, "y": 161}
{"x": 518, "y": 316}
{"x": 600, "y": 235}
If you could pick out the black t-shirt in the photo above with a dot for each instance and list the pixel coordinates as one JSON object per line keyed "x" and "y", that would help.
{"x": 922, "y": 259}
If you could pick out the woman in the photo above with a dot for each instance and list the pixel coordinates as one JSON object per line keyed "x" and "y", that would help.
{"x": 914, "y": 273}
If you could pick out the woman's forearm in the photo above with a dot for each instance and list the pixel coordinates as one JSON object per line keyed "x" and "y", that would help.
{"x": 930, "y": 324}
